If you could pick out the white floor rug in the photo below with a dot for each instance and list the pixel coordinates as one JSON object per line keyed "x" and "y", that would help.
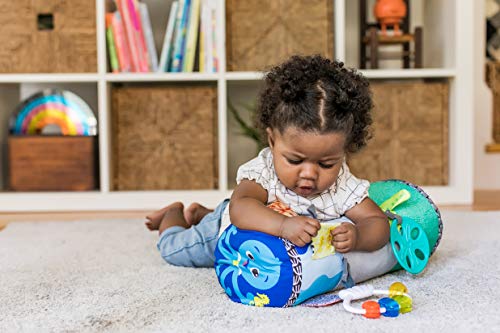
{"x": 87, "y": 276}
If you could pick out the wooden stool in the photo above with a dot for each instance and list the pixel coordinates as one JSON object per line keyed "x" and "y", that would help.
{"x": 370, "y": 39}
{"x": 374, "y": 41}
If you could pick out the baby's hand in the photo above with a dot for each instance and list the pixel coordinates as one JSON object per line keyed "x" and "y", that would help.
{"x": 345, "y": 237}
{"x": 299, "y": 229}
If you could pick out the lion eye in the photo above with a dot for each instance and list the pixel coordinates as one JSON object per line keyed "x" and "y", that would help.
{"x": 255, "y": 272}
{"x": 249, "y": 255}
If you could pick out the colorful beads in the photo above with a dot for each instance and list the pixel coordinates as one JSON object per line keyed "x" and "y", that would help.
{"x": 397, "y": 288}
{"x": 372, "y": 309}
{"x": 390, "y": 305}
{"x": 405, "y": 303}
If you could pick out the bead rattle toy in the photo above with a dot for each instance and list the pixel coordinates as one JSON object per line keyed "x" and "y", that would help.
{"x": 397, "y": 302}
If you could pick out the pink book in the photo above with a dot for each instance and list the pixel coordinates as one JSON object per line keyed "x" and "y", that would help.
{"x": 143, "y": 50}
{"x": 214, "y": 40}
{"x": 129, "y": 31}
{"x": 120, "y": 42}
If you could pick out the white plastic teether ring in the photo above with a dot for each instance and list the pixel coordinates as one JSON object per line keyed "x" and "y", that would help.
{"x": 357, "y": 292}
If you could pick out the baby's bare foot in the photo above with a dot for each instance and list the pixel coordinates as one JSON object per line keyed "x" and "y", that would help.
{"x": 195, "y": 212}
{"x": 154, "y": 219}
{"x": 173, "y": 217}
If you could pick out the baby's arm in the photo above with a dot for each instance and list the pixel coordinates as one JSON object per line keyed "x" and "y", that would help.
{"x": 370, "y": 233}
{"x": 248, "y": 210}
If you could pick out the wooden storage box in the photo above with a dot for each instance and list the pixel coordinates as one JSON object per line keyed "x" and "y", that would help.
{"x": 165, "y": 137}
{"x": 52, "y": 163}
{"x": 261, "y": 33}
{"x": 48, "y": 36}
{"x": 410, "y": 139}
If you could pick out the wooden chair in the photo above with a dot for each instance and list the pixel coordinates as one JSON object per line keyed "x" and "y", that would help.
{"x": 370, "y": 39}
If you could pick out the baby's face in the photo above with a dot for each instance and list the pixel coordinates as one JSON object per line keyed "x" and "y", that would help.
{"x": 306, "y": 162}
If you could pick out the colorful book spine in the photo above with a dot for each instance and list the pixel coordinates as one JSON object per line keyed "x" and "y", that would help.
{"x": 113, "y": 58}
{"x": 180, "y": 37}
{"x": 166, "y": 51}
{"x": 210, "y": 32}
{"x": 145, "y": 66}
{"x": 203, "y": 19}
{"x": 122, "y": 48}
{"x": 129, "y": 33}
{"x": 215, "y": 59}
{"x": 148, "y": 36}
{"x": 191, "y": 36}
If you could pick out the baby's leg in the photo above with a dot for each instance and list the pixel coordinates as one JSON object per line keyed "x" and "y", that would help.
{"x": 367, "y": 265}
{"x": 195, "y": 212}
{"x": 192, "y": 215}
{"x": 154, "y": 219}
{"x": 191, "y": 246}
{"x": 174, "y": 217}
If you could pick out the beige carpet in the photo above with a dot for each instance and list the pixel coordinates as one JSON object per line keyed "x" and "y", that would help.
{"x": 87, "y": 276}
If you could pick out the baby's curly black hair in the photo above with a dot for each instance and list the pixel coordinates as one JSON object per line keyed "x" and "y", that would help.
{"x": 316, "y": 94}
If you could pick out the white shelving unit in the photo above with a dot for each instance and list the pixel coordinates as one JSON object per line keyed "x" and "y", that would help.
{"x": 456, "y": 67}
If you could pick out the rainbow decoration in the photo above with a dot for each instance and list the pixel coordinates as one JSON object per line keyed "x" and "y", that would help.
{"x": 61, "y": 108}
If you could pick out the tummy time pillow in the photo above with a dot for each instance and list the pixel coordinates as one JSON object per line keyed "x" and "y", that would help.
{"x": 258, "y": 269}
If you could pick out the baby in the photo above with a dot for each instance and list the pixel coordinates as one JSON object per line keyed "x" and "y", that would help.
{"x": 313, "y": 112}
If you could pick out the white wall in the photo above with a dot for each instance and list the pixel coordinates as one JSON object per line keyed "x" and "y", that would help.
{"x": 487, "y": 166}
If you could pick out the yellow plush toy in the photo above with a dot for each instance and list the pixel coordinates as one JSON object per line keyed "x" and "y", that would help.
{"x": 322, "y": 242}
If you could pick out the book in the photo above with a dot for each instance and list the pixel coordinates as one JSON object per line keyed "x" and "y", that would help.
{"x": 191, "y": 36}
{"x": 166, "y": 51}
{"x": 113, "y": 58}
{"x": 142, "y": 52}
{"x": 208, "y": 10}
{"x": 213, "y": 32}
{"x": 208, "y": 43}
{"x": 180, "y": 36}
{"x": 201, "y": 51}
{"x": 123, "y": 8}
{"x": 122, "y": 48}
{"x": 148, "y": 36}
{"x": 139, "y": 35}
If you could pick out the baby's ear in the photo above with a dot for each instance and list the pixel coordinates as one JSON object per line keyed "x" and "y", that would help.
{"x": 270, "y": 137}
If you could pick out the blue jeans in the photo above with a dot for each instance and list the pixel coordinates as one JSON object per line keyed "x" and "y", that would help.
{"x": 195, "y": 246}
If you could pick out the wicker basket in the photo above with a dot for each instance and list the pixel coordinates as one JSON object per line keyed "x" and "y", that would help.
{"x": 410, "y": 134}
{"x": 165, "y": 137}
{"x": 261, "y": 33}
{"x": 48, "y": 36}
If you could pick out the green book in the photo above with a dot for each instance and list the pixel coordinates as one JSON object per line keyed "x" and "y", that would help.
{"x": 113, "y": 59}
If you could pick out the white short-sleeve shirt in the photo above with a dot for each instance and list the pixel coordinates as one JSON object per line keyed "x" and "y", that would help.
{"x": 344, "y": 194}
